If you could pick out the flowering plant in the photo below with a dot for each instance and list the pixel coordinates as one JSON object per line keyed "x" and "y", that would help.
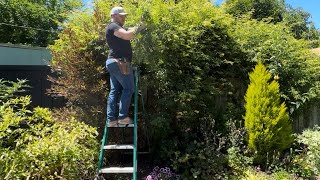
{"x": 162, "y": 174}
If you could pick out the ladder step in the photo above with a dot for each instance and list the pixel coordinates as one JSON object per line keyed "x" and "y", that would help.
{"x": 138, "y": 152}
{"x": 122, "y": 126}
{"x": 117, "y": 170}
{"x": 123, "y": 146}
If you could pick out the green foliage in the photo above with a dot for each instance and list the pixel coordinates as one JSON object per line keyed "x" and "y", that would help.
{"x": 34, "y": 145}
{"x": 285, "y": 56}
{"x": 296, "y": 19}
{"x": 194, "y": 60}
{"x": 254, "y": 175}
{"x": 259, "y": 9}
{"x": 188, "y": 65}
{"x": 8, "y": 88}
{"x": 79, "y": 58}
{"x": 238, "y": 161}
{"x": 266, "y": 120}
{"x": 308, "y": 161}
{"x": 203, "y": 159}
{"x": 258, "y": 175}
{"x": 33, "y": 22}
{"x": 281, "y": 175}
{"x": 239, "y": 158}
{"x": 301, "y": 26}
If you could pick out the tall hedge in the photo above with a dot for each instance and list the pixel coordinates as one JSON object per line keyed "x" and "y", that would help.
{"x": 266, "y": 119}
{"x": 195, "y": 60}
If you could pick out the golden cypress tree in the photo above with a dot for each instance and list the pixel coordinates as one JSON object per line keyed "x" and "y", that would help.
{"x": 266, "y": 119}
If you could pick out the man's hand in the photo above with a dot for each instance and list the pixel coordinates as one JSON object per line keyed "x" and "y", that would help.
{"x": 140, "y": 27}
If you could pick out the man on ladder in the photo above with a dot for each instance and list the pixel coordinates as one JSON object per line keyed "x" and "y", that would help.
{"x": 119, "y": 67}
{"x": 124, "y": 80}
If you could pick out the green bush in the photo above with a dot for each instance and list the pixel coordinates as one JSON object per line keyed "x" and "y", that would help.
{"x": 34, "y": 145}
{"x": 251, "y": 174}
{"x": 307, "y": 162}
{"x": 266, "y": 120}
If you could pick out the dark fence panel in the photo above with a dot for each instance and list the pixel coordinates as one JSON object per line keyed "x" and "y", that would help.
{"x": 37, "y": 77}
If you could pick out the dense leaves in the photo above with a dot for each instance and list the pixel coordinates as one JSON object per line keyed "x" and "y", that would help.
{"x": 285, "y": 56}
{"x": 296, "y": 19}
{"x": 308, "y": 162}
{"x": 34, "y": 145}
{"x": 195, "y": 60}
{"x": 78, "y": 57}
{"x": 33, "y": 22}
{"x": 260, "y": 9}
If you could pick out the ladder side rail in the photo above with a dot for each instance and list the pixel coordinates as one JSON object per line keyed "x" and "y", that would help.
{"x": 135, "y": 136}
{"x": 103, "y": 142}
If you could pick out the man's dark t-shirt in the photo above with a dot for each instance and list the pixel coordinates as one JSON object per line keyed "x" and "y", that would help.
{"x": 118, "y": 48}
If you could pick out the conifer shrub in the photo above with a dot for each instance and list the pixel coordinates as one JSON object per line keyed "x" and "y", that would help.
{"x": 266, "y": 119}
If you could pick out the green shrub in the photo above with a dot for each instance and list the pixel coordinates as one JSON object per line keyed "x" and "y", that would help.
{"x": 307, "y": 163}
{"x": 251, "y": 174}
{"x": 239, "y": 158}
{"x": 282, "y": 175}
{"x": 238, "y": 161}
{"x": 34, "y": 145}
{"x": 266, "y": 120}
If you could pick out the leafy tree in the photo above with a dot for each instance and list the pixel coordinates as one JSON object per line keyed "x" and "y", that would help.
{"x": 302, "y": 28}
{"x": 260, "y": 9}
{"x": 266, "y": 119}
{"x": 33, "y": 22}
{"x": 296, "y": 18}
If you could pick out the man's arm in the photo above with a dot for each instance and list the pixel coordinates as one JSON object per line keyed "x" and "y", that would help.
{"x": 125, "y": 34}
{"x": 130, "y": 33}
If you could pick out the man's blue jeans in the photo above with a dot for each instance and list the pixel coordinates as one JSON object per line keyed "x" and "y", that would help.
{"x": 119, "y": 83}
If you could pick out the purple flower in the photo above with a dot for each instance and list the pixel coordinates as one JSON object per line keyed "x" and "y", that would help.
{"x": 160, "y": 173}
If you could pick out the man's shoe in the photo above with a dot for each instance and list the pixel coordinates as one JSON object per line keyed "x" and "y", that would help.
{"x": 113, "y": 123}
{"x": 126, "y": 120}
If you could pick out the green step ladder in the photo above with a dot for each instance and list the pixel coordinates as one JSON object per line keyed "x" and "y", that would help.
{"x": 116, "y": 170}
